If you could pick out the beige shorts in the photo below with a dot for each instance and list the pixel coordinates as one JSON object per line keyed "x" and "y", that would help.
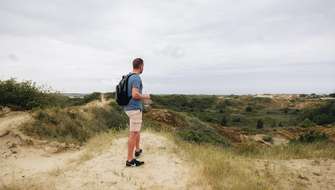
{"x": 135, "y": 120}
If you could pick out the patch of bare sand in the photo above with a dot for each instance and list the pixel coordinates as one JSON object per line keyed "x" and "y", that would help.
{"x": 299, "y": 173}
{"x": 163, "y": 168}
{"x": 23, "y": 157}
{"x": 12, "y": 121}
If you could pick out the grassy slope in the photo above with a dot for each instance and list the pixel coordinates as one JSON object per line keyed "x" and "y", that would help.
{"x": 234, "y": 166}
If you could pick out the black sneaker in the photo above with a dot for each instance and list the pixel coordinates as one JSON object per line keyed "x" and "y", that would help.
{"x": 138, "y": 153}
{"x": 133, "y": 163}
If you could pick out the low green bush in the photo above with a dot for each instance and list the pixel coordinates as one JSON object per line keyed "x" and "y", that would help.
{"x": 74, "y": 125}
{"x": 199, "y": 132}
{"x": 311, "y": 137}
{"x": 260, "y": 124}
{"x": 307, "y": 123}
{"x": 27, "y": 95}
{"x": 109, "y": 95}
{"x": 268, "y": 138}
{"x": 321, "y": 115}
{"x": 202, "y": 135}
{"x": 248, "y": 109}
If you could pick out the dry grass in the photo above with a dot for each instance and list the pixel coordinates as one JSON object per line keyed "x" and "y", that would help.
{"x": 222, "y": 170}
{"x": 238, "y": 167}
{"x": 230, "y": 169}
{"x": 315, "y": 150}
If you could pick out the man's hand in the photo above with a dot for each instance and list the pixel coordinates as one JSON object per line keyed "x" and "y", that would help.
{"x": 146, "y": 97}
{"x": 138, "y": 96}
{"x": 147, "y": 100}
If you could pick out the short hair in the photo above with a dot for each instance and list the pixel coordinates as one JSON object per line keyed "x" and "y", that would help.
{"x": 137, "y": 63}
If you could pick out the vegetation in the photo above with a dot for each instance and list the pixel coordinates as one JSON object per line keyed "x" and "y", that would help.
{"x": 251, "y": 112}
{"x": 187, "y": 128}
{"x": 27, "y": 95}
{"x": 259, "y": 124}
{"x": 195, "y": 122}
{"x": 109, "y": 95}
{"x": 74, "y": 125}
{"x": 321, "y": 115}
{"x": 198, "y": 132}
{"x": 311, "y": 137}
{"x": 235, "y": 167}
{"x": 267, "y": 138}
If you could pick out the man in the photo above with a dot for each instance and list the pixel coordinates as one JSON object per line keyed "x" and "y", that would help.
{"x": 134, "y": 111}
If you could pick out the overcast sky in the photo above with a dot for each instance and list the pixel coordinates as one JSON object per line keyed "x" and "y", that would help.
{"x": 189, "y": 46}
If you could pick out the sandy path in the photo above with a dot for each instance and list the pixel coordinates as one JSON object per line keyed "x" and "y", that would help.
{"x": 163, "y": 168}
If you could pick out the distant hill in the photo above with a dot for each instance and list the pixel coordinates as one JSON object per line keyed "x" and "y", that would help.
{"x": 74, "y": 95}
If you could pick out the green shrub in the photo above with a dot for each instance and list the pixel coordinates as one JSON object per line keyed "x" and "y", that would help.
{"x": 324, "y": 114}
{"x": 268, "y": 138}
{"x": 248, "y": 109}
{"x": 202, "y": 135}
{"x": 237, "y": 118}
{"x": 259, "y": 124}
{"x": 280, "y": 124}
{"x": 311, "y": 137}
{"x": 184, "y": 102}
{"x": 91, "y": 97}
{"x": 26, "y": 95}
{"x": 109, "y": 95}
{"x": 307, "y": 123}
{"x": 212, "y": 117}
{"x": 224, "y": 120}
{"x": 74, "y": 125}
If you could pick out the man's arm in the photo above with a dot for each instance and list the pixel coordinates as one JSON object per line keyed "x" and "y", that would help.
{"x": 135, "y": 93}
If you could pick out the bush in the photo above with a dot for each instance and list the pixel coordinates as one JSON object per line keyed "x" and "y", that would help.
{"x": 184, "y": 102}
{"x": 91, "y": 97}
{"x": 248, "y": 109}
{"x": 268, "y": 138}
{"x": 323, "y": 119}
{"x": 307, "y": 123}
{"x": 202, "y": 135}
{"x": 259, "y": 124}
{"x": 311, "y": 137}
{"x": 236, "y": 118}
{"x": 224, "y": 120}
{"x": 73, "y": 125}
{"x": 324, "y": 114}
{"x": 109, "y": 95}
{"x": 280, "y": 124}
{"x": 212, "y": 117}
{"x": 26, "y": 95}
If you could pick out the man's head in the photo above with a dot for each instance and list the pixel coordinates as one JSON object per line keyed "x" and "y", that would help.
{"x": 138, "y": 65}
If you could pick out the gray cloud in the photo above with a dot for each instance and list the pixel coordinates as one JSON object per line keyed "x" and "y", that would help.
{"x": 189, "y": 46}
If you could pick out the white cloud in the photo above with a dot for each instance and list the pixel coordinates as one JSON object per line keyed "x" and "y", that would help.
{"x": 188, "y": 46}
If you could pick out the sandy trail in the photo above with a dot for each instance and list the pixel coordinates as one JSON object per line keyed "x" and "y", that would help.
{"x": 163, "y": 168}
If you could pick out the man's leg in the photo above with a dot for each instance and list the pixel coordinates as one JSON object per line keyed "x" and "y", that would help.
{"x": 131, "y": 144}
{"x": 137, "y": 145}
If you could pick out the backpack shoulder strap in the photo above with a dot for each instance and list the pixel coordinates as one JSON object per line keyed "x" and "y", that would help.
{"x": 128, "y": 76}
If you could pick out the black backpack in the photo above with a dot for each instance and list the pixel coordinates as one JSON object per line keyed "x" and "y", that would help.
{"x": 121, "y": 93}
